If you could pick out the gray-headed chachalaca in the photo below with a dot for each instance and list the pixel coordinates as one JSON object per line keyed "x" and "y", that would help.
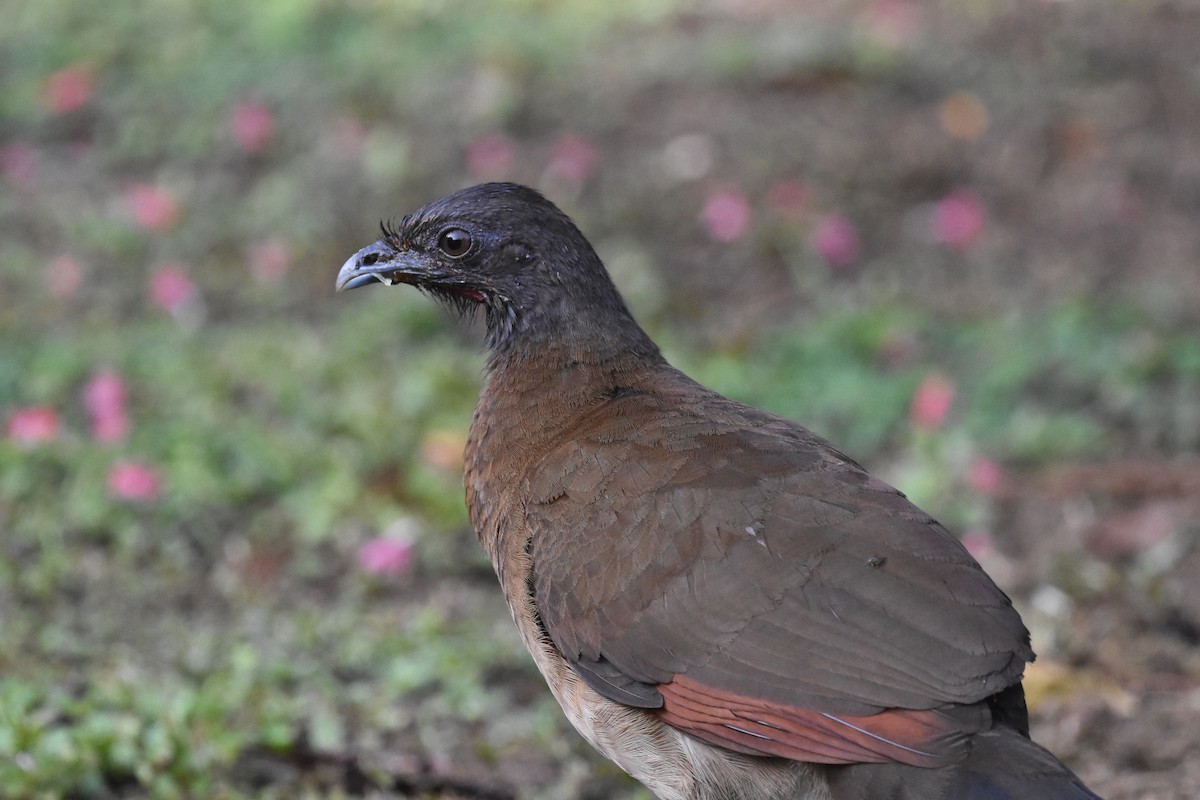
{"x": 722, "y": 602}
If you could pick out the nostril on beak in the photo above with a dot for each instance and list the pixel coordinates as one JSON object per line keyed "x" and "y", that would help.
{"x": 359, "y": 269}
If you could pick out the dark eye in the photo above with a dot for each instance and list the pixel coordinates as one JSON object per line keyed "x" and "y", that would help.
{"x": 455, "y": 242}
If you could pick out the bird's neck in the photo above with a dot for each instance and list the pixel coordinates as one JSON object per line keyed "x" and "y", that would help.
{"x": 530, "y": 395}
{"x": 564, "y": 312}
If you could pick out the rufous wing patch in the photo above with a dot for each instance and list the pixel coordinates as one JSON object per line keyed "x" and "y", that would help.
{"x": 919, "y": 737}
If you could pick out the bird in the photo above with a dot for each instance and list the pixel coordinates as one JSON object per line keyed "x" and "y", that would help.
{"x": 722, "y": 602}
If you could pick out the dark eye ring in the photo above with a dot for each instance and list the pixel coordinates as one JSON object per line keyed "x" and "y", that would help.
{"x": 454, "y": 242}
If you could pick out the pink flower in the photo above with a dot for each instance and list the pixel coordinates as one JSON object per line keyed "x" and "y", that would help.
{"x": 64, "y": 275}
{"x": 33, "y": 425}
{"x": 892, "y": 23}
{"x": 726, "y": 215}
{"x": 104, "y": 399}
{"x": 132, "y": 480}
{"x": 573, "y": 158}
{"x": 170, "y": 288}
{"x": 152, "y": 207}
{"x": 490, "y": 156}
{"x": 984, "y": 475}
{"x": 788, "y": 197}
{"x": 931, "y": 402}
{"x": 958, "y": 219}
{"x": 253, "y": 126}
{"x": 270, "y": 260}
{"x": 385, "y": 555}
{"x": 836, "y": 240}
{"x": 349, "y": 134}
{"x": 978, "y": 543}
{"x": 67, "y": 90}
{"x": 20, "y": 164}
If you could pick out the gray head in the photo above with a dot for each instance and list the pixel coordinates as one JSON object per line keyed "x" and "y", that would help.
{"x": 507, "y": 250}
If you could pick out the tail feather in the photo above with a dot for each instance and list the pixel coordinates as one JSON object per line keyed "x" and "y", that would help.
{"x": 1002, "y": 765}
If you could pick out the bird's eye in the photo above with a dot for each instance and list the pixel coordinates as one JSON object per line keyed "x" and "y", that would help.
{"x": 454, "y": 242}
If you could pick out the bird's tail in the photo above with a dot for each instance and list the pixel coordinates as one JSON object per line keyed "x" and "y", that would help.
{"x": 1002, "y": 765}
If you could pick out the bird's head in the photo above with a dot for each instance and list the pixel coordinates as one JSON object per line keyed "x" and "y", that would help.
{"x": 505, "y": 249}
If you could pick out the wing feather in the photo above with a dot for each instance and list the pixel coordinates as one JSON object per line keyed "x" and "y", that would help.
{"x": 743, "y": 566}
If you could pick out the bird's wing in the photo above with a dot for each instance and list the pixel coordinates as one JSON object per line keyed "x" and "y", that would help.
{"x": 761, "y": 590}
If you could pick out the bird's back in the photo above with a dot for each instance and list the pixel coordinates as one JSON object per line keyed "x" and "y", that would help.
{"x": 664, "y": 537}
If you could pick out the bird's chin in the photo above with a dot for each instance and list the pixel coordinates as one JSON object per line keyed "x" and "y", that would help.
{"x": 474, "y": 295}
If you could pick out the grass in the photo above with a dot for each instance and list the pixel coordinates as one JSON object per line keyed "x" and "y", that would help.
{"x": 157, "y": 643}
{"x": 205, "y": 639}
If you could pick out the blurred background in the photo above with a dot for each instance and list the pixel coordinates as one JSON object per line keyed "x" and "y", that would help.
{"x": 960, "y": 239}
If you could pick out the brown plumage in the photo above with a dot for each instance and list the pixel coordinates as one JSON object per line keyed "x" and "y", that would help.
{"x": 722, "y": 602}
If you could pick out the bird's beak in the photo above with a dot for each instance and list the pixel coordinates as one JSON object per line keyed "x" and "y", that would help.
{"x": 376, "y": 262}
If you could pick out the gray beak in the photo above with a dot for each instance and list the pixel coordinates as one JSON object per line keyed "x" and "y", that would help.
{"x": 374, "y": 262}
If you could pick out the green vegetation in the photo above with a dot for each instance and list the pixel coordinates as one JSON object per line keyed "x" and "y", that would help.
{"x": 184, "y": 598}
{"x": 283, "y": 446}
